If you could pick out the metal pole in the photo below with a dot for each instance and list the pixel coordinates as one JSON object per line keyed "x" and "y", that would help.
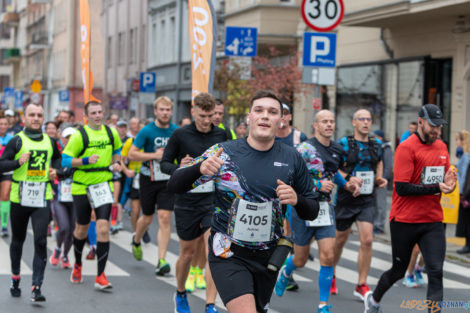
{"x": 50, "y": 65}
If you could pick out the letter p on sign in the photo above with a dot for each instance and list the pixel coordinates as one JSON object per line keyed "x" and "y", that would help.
{"x": 320, "y": 46}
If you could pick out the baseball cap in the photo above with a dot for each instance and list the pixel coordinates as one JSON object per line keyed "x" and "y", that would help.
{"x": 286, "y": 107}
{"x": 9, "y": 113}
{"x": 68, "y": 132}
{"x": 433, "y": 114}
{"x": 121, "y": 123}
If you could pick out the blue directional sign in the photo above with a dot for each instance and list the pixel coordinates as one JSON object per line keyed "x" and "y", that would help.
{"x": 241, "y": 41}
{"x": 148, "y": 82}
{"x": 8, "y": 95}
{"x": 319, "y": 50}
{"x": 18, "y": 99}
{"x": 64, "y": 96}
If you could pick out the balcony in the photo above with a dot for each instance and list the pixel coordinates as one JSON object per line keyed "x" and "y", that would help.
{"x": 38, "y": 40}
{"x": 11, "y": 18}
{"x": 11, "y": 56}
{"x": 397, "y": 13}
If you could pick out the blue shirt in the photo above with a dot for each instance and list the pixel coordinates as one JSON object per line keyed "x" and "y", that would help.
{"x": 405, "y": 136}
{"x": 151, "y": 138}
{"x": 289, "y": 140}
{"x": 6, "y": 139}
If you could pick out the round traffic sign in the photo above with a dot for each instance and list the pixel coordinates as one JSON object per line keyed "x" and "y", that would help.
{"x": 322, "y": 15}
{"x": 36, "y": 97}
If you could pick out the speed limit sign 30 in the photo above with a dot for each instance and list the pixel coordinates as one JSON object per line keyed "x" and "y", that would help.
{"x": 322, "y": 15}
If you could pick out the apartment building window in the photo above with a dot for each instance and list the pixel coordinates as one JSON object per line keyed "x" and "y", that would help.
{"x": 4, "y": 82}
{"x": 121, "y": 51}
{"x": 109, "y": 56}
{"x": 143, "y": 43}
{"x": 132, "y": 45}
{"x": 172, "y": 43}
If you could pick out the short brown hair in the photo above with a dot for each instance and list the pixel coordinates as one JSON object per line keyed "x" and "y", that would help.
{"x": 265, "y": 94}
{"x": 162, "y": 99}
{"x": 89, "y": 103}
{"x": 205, "y": 101}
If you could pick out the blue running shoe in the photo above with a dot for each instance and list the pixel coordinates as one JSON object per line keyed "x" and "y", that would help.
{"x": 419, "y": 277}
{"x": 211, "y": 309}
{"x": 181, "y": 303}
{"x": 409, "y": 281}
{"x": 282, "y": 282}
{"x": 325, "y": 309}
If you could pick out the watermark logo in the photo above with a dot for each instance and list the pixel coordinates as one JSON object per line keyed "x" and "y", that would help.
{"x": 434, "y": 306}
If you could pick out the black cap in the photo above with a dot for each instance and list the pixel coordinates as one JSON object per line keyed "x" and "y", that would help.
{"x": 433, "y": 114}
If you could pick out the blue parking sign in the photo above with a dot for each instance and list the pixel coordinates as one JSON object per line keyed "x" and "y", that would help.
{"x": 64, "y": 96}
{"x": 148, "y": 82}
{"x": 319, "y": 50}
{"x": 18, "y": 99}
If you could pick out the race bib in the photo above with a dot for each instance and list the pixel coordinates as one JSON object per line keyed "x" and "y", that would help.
{"x": 204, "y": 188}
{"x": 253, "y": 221}
{"x": 432, "y": 175}
{"x": 136, "y": 181}
{"x": 99, "y": 195}
{"x": 155, "y": 172}
{"x": 324, "y": 217}
{"x": 65, "y": 190}
{"x": 33, "y": 194}
{"x": 367, "y": 181}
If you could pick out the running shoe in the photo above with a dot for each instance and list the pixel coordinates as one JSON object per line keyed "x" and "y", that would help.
{"x": 76, "y": 276}
{"x": 101, "y": 282}
{"x": 55, "y": 257}
{"x": 361, "y": 291}
{"x": 292, "y": 286}
{"x": 199, "y": 279}
{"x": 137, "y": 251}
{"x": 4, "y": 232}
{"x": 146, "y": 237}
{"x": 334, "y": 288}
{"x": 36, "y": 295}
{"x": 211, "y": 309}
{"x": 324, "y": 309}
{"x": 181, "y": 303}
{"x": 15, "y": 289}
{"x": 91, "y": 254}
{"x": 409, "y": 281}
{"x": 162, "y": 268}
{"x": 190, "y": 284}
{"x": 368, "y": 306}
{"x": 65, "y": 262}
{"x": 282, "y": 282}
{"x": 419, "y": 277}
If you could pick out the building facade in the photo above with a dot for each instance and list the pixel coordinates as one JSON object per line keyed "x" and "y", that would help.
{"x": 169, "y": 51}
{"x": 124, "y": 28}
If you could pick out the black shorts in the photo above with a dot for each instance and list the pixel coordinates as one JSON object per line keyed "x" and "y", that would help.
{"x": 83, "y": 209}
{"x": 346, "y": 216}
{"x": 154, "y": 193}
{"x": 5, "y": 176}
{"x": 193, "y": 222}
{"x": 133, "y": 194}
{"x": 245, "y": 272}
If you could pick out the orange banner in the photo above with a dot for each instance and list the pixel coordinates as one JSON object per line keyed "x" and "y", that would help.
{"x": 202, "y": 33}
{"x": 85, "y": 45}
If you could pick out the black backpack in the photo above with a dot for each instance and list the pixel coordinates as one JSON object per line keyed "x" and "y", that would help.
{"x": 86, "y": 140}
{"x": 352, "y": 158}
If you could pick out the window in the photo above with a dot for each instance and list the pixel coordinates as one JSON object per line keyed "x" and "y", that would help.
{"x": 109, "y": 57}
{"x": 132, "y": 46}
{"x": 121, "y": 48}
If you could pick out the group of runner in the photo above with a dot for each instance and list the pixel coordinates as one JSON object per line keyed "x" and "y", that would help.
{"x": 234, "y": 201}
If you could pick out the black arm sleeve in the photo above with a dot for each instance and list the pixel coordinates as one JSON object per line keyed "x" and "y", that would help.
{"x": 182, "y": 180}
{"x": 407, "y": 189}
{"x": 56, "y": 159}
{"x": 307, "y": 209}
{"x": 7, "y": 161}
{"x": 167, "y": 165}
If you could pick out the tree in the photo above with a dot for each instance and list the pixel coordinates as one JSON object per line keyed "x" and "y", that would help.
{"x": 271, "y": 70}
